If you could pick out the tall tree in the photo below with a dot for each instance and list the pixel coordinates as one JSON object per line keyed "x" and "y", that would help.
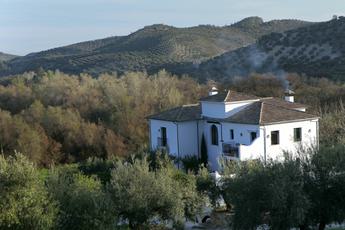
{"x": 203, "y": 151}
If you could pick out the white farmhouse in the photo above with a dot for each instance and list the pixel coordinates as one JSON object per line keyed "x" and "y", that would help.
{"x": 235, "y": 126}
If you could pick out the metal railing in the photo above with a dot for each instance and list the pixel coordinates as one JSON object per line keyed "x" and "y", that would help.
{"x": 162, "y": 142}
{"x": 230, "y": 150}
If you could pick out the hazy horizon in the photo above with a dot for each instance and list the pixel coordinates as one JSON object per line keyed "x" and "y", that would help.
{"x": 37, "y": 25}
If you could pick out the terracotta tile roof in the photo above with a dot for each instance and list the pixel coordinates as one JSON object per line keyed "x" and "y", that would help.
{"x": 181, "y": 113}
{"x": 249, "y": 115}
{"x": 229, "y": 96}
{"x": 271, "y": 113}
{"x": 283, "y": 103}
{"x": 263, "y": 113}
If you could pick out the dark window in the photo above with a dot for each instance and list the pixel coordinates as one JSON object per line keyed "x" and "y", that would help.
{"x": 231, "y": 134}
{"x": 252, "y": 136}
{"x": 297, "y": 134}
{"x": 275, "y": 138}
{"x": 214, "y": 135}
{"x": 164, "y": 136}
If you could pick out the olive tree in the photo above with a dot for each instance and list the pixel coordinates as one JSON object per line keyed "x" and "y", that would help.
{"x": 269, "y": 194}
{"x": 324, "y": 176}
{"x": 24, "y": 201}
{"x": 82, "y": 202}
{"x": 141, "y": 195}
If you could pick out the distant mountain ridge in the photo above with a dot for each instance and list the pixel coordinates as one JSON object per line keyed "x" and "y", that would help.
{"x": 151, "y": 48}
{"x": 6, "y": 57}
{"x": 316, "y": 50}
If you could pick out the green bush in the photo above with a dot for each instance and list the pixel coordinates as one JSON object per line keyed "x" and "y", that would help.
{"x": 207, "y": 186}
{"x": 298, "y": 192}
{"x": 141, "y": 195}
{"x": 98, "y": 167}
{"x": 191, "y": 163}
{"x": 24, "y": 201}
{"x": 82, "y": 202}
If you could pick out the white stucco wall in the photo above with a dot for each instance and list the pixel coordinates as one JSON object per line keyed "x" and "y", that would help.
{"x": 222, "y": 109}
{"x": 286, "y": 136}
{"x": 241, "y": 132}
{"x": 256, "y": 150}
{"x": 248, "y": 149}
{"x": 190, "y": 134}
{"x": 242, "y": 136}
{"x": 182, "y": 137}
{"x": 155, "y": 126}
{"x": 213, "y": 109}
{"x": 214, "y": 151}
{"x": 188, "y": 138}
{"x": 234, "y": 107}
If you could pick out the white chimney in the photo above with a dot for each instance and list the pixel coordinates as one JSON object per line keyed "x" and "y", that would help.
{"x": 213, "y": 91}
{"x": 289, "y": 95}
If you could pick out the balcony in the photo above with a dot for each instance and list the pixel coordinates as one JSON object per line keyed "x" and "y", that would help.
{"x": 231, "y": 151}
{"x": 162, "y": 143}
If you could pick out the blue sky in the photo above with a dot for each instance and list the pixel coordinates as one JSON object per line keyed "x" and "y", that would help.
{"x": 33, "y": 25}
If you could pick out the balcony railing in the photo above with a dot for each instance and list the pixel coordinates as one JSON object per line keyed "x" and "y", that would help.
{"x": 231, "y": 150}
{"x": 162, "y": 142}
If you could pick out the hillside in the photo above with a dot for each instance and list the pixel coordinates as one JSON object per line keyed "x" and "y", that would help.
{"x": 316, "y": 50}
{"x": 151, "y": 48}
{"x": 6, "y": 57}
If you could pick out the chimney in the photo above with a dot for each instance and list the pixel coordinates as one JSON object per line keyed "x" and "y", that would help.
{"x": 213, "y": 91}
{"x": 289, "y": 95}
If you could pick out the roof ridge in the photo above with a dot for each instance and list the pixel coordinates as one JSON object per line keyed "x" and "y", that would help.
{"x": 226, "y": 97}
{"x": 283, "y": 107}
{"x": 261, "y": 108}
{"x": 189, "y": 105}
{"x": 179, "y": 112}
{"x": 280, "y": 99}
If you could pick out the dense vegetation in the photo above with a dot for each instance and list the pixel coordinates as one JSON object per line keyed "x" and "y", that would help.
{"x": 145, "y": 192}
{"x": 300, "y": 192}
{"x": 135, "y": 195}
{"x": 53, "y": 117}
{"x": 151, "y": 48}
{"x": 83, "y": 163}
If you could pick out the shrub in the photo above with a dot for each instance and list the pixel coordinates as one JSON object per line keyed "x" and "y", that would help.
{"x": 324, "y": 183}
{"x": 24, "y": 201}
{"x": 82, "y": 202}
{"x": 141, "y": 195}
{"x": 207, "y": 186}
{"x": 266, "y": 194}
{"x": 98, "y": 167}
{"x": 191, "y": 163}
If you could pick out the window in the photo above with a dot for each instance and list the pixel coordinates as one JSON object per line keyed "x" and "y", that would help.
{"x": 252, "y": 136}
{"x": 232, "y": 134}
{"x": 164, "y": 136}
{"x": 275, "y": 138}
{"x": 297, "y": 134}
{"x": 214, "y": 135}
